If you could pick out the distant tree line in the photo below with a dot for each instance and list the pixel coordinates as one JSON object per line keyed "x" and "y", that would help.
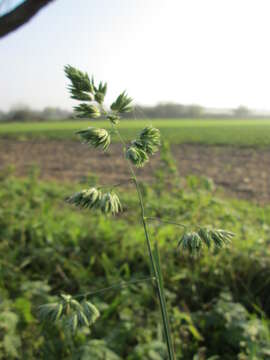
{"x": 23, "y": 113}
{"x": 178, "y": 111}
{"x": 168, "y": 110}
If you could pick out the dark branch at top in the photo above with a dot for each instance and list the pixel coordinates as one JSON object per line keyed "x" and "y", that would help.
{"x": 20, "y": 15}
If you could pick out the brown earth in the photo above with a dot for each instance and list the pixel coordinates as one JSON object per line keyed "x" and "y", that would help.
{"x": 242, "y": 172}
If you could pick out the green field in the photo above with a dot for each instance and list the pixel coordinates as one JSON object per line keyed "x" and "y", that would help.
{"x": 221, "y": 132}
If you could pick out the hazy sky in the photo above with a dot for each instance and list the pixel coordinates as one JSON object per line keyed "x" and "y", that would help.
{"x": 211, "y": 52}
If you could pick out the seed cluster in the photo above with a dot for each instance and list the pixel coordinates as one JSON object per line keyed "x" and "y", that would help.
{"x": 94, "y": 199}
{"x": 147, "y": 144}
{"x": 83, "y": 88}
{"x": 87, "y": 110}
{"x": 122, "y": 104}
{"x": 95, "y": 137}
{"x": 73, "y": 313}
{"x": 195, "y": 241}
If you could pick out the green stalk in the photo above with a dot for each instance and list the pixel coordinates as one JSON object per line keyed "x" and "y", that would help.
{"x": 166, "y": 221}
{"x": 113, "y": 286}
{"x": 163, "y": 301}
{"x": 154, "y": 260}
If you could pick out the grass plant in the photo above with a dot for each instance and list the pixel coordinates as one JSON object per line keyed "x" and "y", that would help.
{"x": 73, "y": 313}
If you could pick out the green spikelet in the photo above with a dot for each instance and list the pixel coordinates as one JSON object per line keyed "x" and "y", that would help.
{"x": 195, "y": 241}
{"x": 94, "y": 199}
{"x": 87, "y": 111}
{"x": 147, "y": 144}
{"x": 137, "y": 156}
{"x": 95, "y": 137}
{"x": 122, "y": 104}
{"x": 71, "y": 312}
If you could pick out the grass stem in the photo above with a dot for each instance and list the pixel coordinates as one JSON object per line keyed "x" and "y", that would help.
{"x": 154, "y": 261}
{"x": 165, "y": 221}
{"x": 114, "y": 286}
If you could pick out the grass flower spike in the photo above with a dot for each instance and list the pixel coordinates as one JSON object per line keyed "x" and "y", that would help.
{"x": 137, "y": 155}
{"x": 94, "y": 199}
{"x": 122, "y": 104}
{"x": 86, "y": 198}
{"x": 100, "y": 92}
{"x": 143, "y": 147}
{"x": 95, "y": 137}
{"x": 81, "y": 87}
{"x": 192, "y": 242}
{"x": 150, "y": 139}
{"x": 110, "y": 203}
{"x": 73, "y": 313}
{"x": 87, "y": 111}
{"x": 195, "y": 241}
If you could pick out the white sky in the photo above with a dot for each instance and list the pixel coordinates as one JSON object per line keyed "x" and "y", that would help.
{"x": 210, "y": 52}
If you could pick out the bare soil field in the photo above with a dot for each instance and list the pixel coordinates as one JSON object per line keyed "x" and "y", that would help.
{"x": 242, "y": 172}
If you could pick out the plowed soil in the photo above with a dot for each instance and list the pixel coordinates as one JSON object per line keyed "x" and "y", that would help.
{"x": 242, "y": 172}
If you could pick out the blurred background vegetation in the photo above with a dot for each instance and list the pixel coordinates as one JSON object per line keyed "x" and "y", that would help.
{"x": 218, "y": 303}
